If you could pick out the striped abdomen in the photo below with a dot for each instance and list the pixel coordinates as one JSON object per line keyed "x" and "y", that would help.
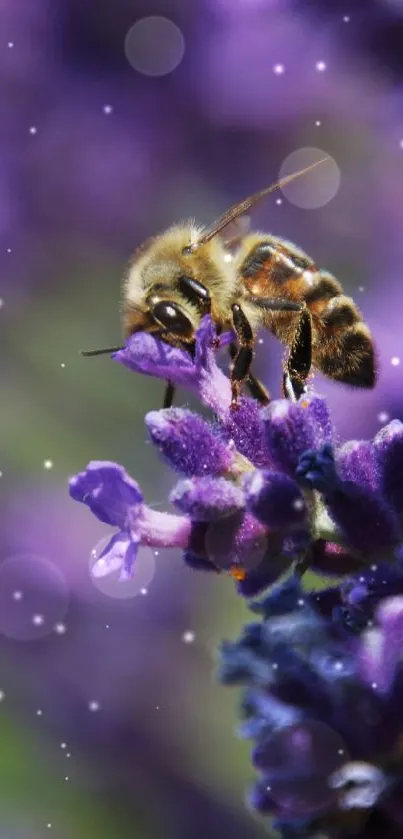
{"x": 342, "y": 345}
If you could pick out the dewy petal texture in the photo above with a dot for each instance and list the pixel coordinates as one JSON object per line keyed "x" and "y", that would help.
{"x": 189, "y": 444}
{"x": 207, "y": 499}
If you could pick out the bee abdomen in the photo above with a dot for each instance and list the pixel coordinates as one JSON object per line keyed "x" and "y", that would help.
{"x": 344, "y": 349}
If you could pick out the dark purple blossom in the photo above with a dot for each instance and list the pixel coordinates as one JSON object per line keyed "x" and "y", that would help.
{"x": 323, "y": 709}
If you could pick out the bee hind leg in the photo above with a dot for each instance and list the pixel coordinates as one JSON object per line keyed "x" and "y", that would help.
{"x": 299, "y": 361}
{"x": 169, "y": 395}
{"x": 244, "y": 357}
{"x": 256, "y": 388}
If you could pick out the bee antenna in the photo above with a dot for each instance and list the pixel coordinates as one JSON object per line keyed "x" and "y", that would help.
{"x": 243, "y": 206}
{"x": 104, "y": 351}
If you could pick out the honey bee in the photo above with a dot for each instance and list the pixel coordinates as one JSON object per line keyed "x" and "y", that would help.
{"x": 178, "y": 276}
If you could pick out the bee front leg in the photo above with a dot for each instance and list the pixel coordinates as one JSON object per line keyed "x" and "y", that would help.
{"x": 299, "y": 361}
{"x": 256, "y": 388}
{"x": 244, "y": 357}
{"x": 169, "y": 395}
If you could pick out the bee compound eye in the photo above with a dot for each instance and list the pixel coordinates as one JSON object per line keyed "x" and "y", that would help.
{"x": 171, "y": 317}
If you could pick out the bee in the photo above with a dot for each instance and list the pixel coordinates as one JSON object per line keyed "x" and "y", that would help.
{"x": 177, "y": 277}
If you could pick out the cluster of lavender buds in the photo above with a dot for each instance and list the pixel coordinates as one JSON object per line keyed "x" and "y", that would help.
{"x": 264, "y": 494}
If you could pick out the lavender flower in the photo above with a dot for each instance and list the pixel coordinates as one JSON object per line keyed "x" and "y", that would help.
{"x": 265, "y": 487}
{"x": 262, "y": 490}
{"x": 323, "y": 707}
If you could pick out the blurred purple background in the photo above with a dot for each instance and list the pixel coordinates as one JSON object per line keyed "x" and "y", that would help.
{"x": 118, "y": 119}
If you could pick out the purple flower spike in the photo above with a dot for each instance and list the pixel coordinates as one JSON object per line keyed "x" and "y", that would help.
{"x": 275, "y": 499}
{"x": 189, "y": 444}
{"x": 108, "y": 490}
{"x": 207, "y": 499}
{"x": 289, "y": 432}
{"x": 388, "y": 445}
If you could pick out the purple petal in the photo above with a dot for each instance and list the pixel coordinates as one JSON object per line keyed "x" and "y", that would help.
{"x": 189, "y": 444}
{"x": 207, "y": 499}
{"x": 108, "y": 491}
{"x": 388, "y": 445}
{"x": 367, "y": 521}
{"x": 275, "y": 499}
{"x": 356, "y": 461}
{"x": 146, "y": 354}
{"x": 246, "y": 428}
{"x": 289, "y": 432}
{"x": 112, "y": 557}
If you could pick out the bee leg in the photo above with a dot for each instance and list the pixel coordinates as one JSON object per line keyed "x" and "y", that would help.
{"x": 300, "y": 358}
{"x": 169, "y": 395}
{"x": 244, "y": 357}
{"x": 256, "y": 388}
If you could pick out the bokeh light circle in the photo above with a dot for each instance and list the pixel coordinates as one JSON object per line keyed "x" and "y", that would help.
{"x": 300, "y": 761}
{"x": 34, "y": 597}
{"x": 111, "y": 586}
{"x": 227, "y": 545}
{"x": 154, "y": 46}
{"x": 316, "y": 188}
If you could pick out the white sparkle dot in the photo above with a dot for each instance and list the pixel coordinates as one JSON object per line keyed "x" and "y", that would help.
{"x": 157, "y": 707}
{"x": 33, "y": 129}
{"x": 338, "y": 665}
{"x": 39, "y": 712}
{"x": 107, "y": 109}
{"x": 68, "y": 754}
{"x": 340, "y": 751}
{"x": 318, "y": 122}
{"x": 298, "y": 504}
{"x": 17, "y": 595}
{"x": 320, "y": 66}
{"x": 227, "y": 257}
{"x": 374, "y": 567}
{"x": 346, "y": 18}
{"x": 383, "y": 416}
{"x": 374, "y": 685}
{"x": 275, "y": 666}
{"x": 260, "y": 341}
{"x": 395, "y": 361}
{"x": 63, "y": 745}
{"x": 279, "y": 201}
{"x": 143, "y": 591}
{"x": 9, "y": 250}
{"x": 1, "y": 302}
{"x": 49, "y": 824}
{"x": 10, "y": 45}
{"x": 66, "y": 778}
{"x": 107, "y": 626}
{"x": 188, "y": 637}
{"x": 156, "y": 553}
{"x": 301, "y": 602}
{"x": 278, "y": 69}
{"x": 38, "y": 620}
{"x": 94, "y": 705}
{"x": 62, "y": 364}
{"x": 60, "y": 628}
{"x": 48, "y": 464}
{"x": 361, "y": 288}
{"x": 1, "y": 474}
{"x": 2, "y": 695}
